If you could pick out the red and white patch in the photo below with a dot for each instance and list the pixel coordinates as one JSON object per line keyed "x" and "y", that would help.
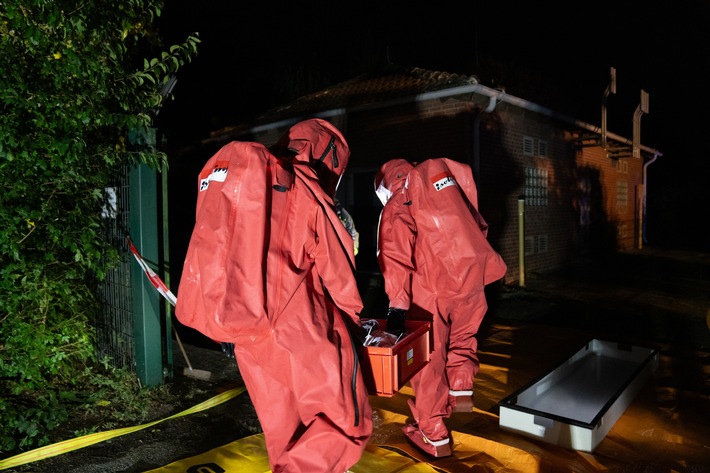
{"x": 442, "y": 181}
{"x": 218, "y": 174}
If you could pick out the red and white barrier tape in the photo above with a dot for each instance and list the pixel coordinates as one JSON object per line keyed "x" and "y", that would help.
{"x": 152, "y": 277}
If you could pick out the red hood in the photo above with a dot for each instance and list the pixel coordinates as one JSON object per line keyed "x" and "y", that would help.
{"x": 322, "y": 146}
{"x": 391, "y": 178}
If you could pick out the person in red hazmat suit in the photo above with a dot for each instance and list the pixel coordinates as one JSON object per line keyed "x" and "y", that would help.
{"x": 435, "y": 260}
{"x": 284, "y": 293}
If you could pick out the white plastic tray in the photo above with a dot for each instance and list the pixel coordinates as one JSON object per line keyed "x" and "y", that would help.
{"x": 577, "y": 403}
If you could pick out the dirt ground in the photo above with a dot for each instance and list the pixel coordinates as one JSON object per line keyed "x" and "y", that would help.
{"x": 651, "y": 297}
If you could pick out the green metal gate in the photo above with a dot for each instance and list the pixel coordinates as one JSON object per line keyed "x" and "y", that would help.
{"x": 134, "y": 329}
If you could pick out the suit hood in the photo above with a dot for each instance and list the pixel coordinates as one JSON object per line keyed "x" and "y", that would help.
{"x": 322, "y": 146}
{"x": 391, "y": 178}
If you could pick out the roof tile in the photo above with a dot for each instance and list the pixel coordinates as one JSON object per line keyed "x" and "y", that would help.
{"x": 391, "y": 82}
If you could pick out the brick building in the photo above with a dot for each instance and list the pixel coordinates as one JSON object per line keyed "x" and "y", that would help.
{"x": 552, "y": 188}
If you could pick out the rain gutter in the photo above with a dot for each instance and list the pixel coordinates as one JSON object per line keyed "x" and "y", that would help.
{"x": 479, "y": 89}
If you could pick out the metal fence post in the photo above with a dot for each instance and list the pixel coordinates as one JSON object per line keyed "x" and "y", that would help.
{"x": 147, "y": 324}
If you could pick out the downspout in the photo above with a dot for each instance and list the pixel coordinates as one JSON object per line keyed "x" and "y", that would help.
{"x": 492, "y": 102}
{"x": 656, "y": 155}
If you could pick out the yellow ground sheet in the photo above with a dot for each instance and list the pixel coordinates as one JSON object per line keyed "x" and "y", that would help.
{"x": 666, "y": 429}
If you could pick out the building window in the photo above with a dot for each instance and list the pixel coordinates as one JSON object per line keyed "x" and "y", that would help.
{"x": 535, "y": 147}
{"x": 535, "y": 187}
{"x": 542, "y": 148}
{"x": 536, "y": 244}
{"x": 621, "y": 165}
{"x": 528, "y": 146}
{"x": 622, "y": 194}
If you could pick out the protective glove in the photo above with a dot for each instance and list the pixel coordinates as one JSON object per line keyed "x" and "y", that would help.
{"x": 395, "y": 321}
{"x": 363, "y": 329}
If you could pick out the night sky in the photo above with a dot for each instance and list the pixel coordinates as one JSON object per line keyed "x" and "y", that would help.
{"x": 256, "y": 56}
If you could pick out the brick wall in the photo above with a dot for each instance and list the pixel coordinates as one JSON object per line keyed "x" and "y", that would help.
{"x": 581, "y": 200}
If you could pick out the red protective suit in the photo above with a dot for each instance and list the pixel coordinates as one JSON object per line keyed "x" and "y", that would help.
{"x": 271, "y": 269}
{"x": 435, "y": 260}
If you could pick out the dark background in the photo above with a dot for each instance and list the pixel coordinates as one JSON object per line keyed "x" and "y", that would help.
{"x": 254, "y": 56}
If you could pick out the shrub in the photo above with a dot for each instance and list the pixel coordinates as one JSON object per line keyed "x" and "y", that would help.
{"x": 74, "y": 85}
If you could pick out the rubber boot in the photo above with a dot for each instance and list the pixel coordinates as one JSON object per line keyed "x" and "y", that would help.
{"x": 435, "y": 448}
{"x": 461, "y": 401}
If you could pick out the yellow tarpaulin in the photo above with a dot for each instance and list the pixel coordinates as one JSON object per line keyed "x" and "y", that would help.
{"x": 654, "y": 429}
{"x": 666, "y": 429}
{"x": 248, "y": 455}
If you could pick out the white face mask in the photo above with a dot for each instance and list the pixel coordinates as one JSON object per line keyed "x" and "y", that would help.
{"x": 383, "y": 193}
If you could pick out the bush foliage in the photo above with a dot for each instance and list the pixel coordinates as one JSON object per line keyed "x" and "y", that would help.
{"x": 76, "y": 80}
